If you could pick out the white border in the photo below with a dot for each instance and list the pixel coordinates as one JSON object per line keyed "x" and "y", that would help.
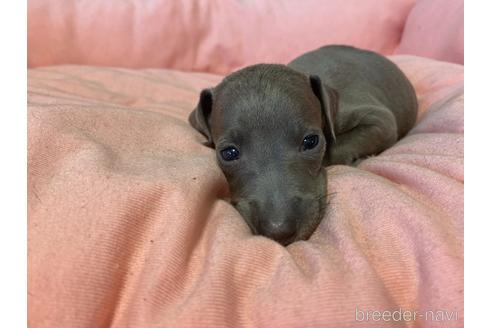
{"x": 13, "y": 224}
{"x": 478, "y": 149}
{"x": 478, "y": 186}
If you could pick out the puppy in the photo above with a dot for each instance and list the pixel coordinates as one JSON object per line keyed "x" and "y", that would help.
{"x": 276, "y": 127}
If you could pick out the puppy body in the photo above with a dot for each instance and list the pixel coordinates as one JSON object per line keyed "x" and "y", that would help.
{"x": 376, "y": 102}
{"x": 275, "y": 127}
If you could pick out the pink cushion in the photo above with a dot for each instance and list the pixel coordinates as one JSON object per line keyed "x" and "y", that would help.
{"x": 128, "y": 226}
{"x": 213, "y": 36}
{"x": 435, "y": 29}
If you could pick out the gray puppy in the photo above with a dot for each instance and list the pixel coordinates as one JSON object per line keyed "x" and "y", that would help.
{"x": 275, "y": 127}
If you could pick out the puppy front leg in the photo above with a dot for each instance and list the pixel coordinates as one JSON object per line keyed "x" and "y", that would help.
{"x": 375, "y": 131}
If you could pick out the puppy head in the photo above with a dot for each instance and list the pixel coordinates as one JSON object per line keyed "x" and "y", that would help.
{"x": 271, "y": 126}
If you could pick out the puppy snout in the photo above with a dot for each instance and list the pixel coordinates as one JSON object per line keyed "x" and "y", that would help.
{"x": 281, "y": 231}
{"x": 277, "y": 219}
{"x": 282, "y": 218}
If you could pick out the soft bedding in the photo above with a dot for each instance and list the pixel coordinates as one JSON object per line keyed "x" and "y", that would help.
{"x": 129, "y": 224}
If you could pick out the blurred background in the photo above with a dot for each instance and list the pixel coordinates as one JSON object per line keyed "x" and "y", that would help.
{"x": 220, "y": 36}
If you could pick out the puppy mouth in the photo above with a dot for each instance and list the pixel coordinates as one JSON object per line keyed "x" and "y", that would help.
{"x": 296, "y": 236}
{"x": 289, "y": 241}
{"x": 254, "y": 230}
{"x": 302, "y": 231}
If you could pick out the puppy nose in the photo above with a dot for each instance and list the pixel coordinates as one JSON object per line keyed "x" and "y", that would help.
{"x": 281, "y": 231}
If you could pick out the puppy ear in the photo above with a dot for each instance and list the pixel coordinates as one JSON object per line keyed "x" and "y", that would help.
{"x": 199, "y": 117}
{"x": 328, "y": 98}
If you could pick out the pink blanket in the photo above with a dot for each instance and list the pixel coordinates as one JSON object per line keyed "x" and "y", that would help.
{"x": 128, "y": 226}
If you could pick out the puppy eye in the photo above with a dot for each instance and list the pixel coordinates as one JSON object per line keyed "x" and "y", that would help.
{"x": 310, "y": 142}
{"x": 230, "y": 154}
